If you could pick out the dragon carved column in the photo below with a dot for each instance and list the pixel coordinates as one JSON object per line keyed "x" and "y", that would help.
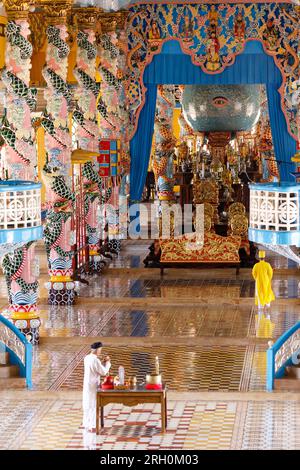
{"x": 165, "y": 143}
{"x": 18, "y": 162}
{"x": 58, "y": 234}
{"x": 85, "y": 115}
{"x": 87, "y": 131}
{"x": 113, "y": 109}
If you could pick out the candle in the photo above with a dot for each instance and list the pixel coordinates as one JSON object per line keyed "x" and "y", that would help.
{"x": 122, "y": 375}
{"x": 156, "y": 365}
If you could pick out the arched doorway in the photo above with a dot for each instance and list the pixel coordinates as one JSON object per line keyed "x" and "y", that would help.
{"x": 172, "y": 66}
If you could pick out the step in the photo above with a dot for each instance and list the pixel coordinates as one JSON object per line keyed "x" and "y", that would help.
{"x": 293, "y": 372}
{"x": 287, "y": 383}
{"x": 12, "y": 383}
{"x": 7, "y": 371}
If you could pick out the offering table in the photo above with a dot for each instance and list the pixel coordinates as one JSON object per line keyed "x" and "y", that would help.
{"x": 131, "y": 398}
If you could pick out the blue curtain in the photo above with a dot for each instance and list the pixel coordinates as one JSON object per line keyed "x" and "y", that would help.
{"x": 140, "y": 145}
{"x": 284, "y": 144}
{"x": 172, "y": 66}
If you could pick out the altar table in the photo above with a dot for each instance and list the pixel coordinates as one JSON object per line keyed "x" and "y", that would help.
{"x": 131, "y": 398}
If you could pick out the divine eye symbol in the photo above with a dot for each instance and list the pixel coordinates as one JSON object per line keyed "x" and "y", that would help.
{"x": 220, "y": 101}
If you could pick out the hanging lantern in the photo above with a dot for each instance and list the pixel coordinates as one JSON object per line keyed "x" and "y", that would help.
{"x": 274, "y": 214}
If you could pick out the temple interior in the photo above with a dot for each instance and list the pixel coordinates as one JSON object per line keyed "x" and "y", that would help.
{"x": 149, "y": 202}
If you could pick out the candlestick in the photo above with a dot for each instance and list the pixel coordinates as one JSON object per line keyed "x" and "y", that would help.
{"x": 156, "y": 365}
{"x": 122, "y": 375}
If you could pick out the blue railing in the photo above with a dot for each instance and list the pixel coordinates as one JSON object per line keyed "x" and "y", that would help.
{"x": 291, "y": 343}
{"x": 20, "y": 350}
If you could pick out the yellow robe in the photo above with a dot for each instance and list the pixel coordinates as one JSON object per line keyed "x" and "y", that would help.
{"x": 263, "y": 273}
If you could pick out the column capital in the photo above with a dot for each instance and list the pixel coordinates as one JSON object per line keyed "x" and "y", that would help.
{"x": 85, "y": 18}
{"x": 56, "y": 12}
{"x": 112, "y": 21}
{"x": 17, "y": 9}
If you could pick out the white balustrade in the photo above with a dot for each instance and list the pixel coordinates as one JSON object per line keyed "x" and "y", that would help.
{"x": 20, "y": 205}
{"x": 274, "y": 210}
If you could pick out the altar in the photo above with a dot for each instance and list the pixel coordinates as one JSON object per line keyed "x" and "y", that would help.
{"x": 131, "y": 398}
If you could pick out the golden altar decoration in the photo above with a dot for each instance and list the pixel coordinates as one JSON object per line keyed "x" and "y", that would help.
{"x": 208, "y": 192}
{"x": 216, "y": 249}
{"x": 239, "y": 227}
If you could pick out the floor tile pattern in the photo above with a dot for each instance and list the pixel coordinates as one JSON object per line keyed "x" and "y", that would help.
{"x": 183, "y": 367}
{"x": 211, "y": 426}
{"x": 274, "y": 322}
{"x": 272, "y": 425}
{"x": 17, "y": 418}
{"x": 122, "y": 286}
{"x": 230, "y": 356}
{"x": 232, "y": 321}
{"x": 258, "y": 368}
{"x": 50, "y": 361}
{"x": 56, "y": 428}
{"x": 56, "y": 424}
{"x": 191, "y": 425}
{"x": 73, "y": 321}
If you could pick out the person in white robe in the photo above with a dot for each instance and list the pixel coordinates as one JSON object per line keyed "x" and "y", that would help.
{"x": 93, "y": 369}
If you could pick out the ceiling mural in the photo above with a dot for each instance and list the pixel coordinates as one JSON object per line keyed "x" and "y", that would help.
{"x": 213, "y": 35}
{"x": 221, "y": 108}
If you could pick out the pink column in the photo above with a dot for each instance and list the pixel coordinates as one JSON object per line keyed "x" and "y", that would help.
{"x": 56, "y": 173}
{"x": 18, "y": 162}
{"x": 113, "y": 110}
{"x": 85, "y": 120}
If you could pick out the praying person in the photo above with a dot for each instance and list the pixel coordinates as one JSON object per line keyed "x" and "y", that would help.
{"x": 93, "y": 369}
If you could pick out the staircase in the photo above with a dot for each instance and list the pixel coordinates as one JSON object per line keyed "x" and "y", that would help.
{"x": 290, "y": 381}
{"x": 283, "y": 361}
{"x": 10, "y": 374}
{"x": 15, "y": 357}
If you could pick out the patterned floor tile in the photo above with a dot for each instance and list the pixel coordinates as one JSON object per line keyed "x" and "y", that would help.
{"x": 183, "y": 367}
{"x": 272, "y": 425}
{"x": 202, "y": 425}
{"x": 207, "y": 365}
{"x": 17, "y": 418}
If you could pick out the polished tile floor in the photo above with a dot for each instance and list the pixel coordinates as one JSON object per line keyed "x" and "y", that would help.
{"x": 192, "y": 424}
{"x": 211, "y": 343}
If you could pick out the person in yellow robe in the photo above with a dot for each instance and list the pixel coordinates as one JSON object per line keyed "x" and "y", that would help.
{"x": 263, "y": 273}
